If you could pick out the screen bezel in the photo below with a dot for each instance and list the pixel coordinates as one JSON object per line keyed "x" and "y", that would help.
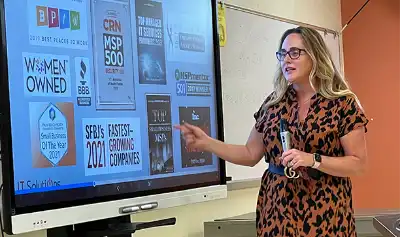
{"x": 9, "y": 207}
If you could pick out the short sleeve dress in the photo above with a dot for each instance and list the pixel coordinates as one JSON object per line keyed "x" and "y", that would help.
{"x": 320, "y": 205}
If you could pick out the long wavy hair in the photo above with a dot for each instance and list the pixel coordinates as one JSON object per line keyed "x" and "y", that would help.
{"x": 324, "y": 78}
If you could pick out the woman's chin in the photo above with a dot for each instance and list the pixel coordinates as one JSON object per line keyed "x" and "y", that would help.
{"x": 291, "y": 79}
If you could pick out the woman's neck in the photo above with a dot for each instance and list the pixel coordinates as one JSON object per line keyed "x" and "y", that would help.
{"x": 304, "y": 91}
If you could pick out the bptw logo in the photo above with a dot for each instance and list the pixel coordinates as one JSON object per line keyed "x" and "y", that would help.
{"x": 57, "y": 18}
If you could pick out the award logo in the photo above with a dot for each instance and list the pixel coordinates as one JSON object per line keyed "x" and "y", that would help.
{"x": 61, "y": 24}
{"x": 112, "y": 145}
{"x": 46, "y": 75}
{"x": 150, "y": 42}
{"x": 52, "y": 134}
{"x": 115, "y": 86}
{"x": 159, "y": 125}
{"x": 192, "y": 83}
{"x": 83, "y": 81}
{"x": 198, "y": 116}
{"x": 191, "y": 41}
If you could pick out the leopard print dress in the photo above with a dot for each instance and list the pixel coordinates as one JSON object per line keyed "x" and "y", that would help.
{"x": 320, "y": 205}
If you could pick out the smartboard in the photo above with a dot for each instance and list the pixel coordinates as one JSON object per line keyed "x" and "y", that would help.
{"x": 248, "y": 66}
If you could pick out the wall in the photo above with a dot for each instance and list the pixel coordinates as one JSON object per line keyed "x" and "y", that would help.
{"x": 371, "y": 60}
{"x": 315, "y": 12}
{"x": 190, "y": 219}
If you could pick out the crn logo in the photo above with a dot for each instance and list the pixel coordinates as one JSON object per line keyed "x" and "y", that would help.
{"x": 57, "y": 18}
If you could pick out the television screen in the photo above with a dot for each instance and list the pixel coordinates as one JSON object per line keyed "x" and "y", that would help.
{"x": 92, "y": 90}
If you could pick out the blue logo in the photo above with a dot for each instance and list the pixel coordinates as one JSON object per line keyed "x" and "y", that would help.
{"x": 52, "y": 114}
{"x": 64, "y": 19}
{"x": 181, "y": 88}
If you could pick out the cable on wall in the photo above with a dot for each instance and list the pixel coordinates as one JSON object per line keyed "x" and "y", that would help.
{"x": 359, "y": 10}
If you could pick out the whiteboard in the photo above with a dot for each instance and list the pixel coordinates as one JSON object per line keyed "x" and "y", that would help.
{"x": 248, "y": 65}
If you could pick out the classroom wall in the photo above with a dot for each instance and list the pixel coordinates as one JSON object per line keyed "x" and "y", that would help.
{"x": 190, "y": 219}
{"x": 371, "y": 59}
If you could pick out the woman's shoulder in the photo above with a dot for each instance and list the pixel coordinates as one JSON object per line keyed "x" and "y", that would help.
{"x": 343, "y": 102}
{"x": 269, "y": 97}
{"x": 264, "y": 111}
{"x": 349, "y": 102}
{"x": 351, "y": 113}
{"x": 266, "y": 105}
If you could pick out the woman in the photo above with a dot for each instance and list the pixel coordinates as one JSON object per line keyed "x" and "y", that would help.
{"x": 327, "y": 127}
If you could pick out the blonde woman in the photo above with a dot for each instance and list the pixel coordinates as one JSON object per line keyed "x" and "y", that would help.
{"x": 327, "y": 127}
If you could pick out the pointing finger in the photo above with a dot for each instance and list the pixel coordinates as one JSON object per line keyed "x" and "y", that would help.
{"x": 189, "y": 126}
{"x": 184, "y": 129}
{"x": 177, "y": 126}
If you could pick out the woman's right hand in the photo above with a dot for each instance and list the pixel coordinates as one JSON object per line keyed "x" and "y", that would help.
{"x": 194, "y": 136}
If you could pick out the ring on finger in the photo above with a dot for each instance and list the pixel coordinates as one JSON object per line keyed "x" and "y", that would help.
{"x": 290, "y": 164}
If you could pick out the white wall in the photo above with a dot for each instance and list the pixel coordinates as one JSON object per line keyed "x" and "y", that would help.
{"x": 324, "y": 13}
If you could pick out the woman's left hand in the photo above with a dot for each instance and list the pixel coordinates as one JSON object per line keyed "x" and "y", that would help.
{"x": 295, "y": 159}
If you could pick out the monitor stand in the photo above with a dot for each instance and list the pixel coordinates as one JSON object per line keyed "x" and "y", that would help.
{"x": 114, "y": 227}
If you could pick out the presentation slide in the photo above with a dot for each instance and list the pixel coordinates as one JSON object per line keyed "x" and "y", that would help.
{"x": 95, "y": 88}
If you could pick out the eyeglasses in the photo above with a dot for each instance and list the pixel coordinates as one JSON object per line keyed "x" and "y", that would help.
{"x": 294, "y": 53}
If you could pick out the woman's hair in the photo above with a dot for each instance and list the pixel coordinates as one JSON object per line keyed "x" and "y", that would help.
{"x": 324, "y": 77}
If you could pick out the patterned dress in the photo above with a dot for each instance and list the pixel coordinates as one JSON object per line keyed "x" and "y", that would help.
{"x": 320, "y": 205}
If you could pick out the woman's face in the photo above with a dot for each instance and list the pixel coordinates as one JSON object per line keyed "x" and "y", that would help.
{"x": 296, "y": 64}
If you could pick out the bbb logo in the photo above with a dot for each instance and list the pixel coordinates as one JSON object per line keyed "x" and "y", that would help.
{"x": 57, "y": 18}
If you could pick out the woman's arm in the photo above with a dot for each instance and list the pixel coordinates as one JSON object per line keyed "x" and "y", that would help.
{"x": 355, "y": 160}
{"x": 351, "y": 130}
{"x": 353, "y": 163}
{"x": 247, "y": 155}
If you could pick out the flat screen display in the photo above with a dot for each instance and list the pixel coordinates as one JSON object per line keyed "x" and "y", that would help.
{"x": 95, "y": 88}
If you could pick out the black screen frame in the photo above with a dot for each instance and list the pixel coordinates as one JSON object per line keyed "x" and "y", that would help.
{"x": 9, "y": 207}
